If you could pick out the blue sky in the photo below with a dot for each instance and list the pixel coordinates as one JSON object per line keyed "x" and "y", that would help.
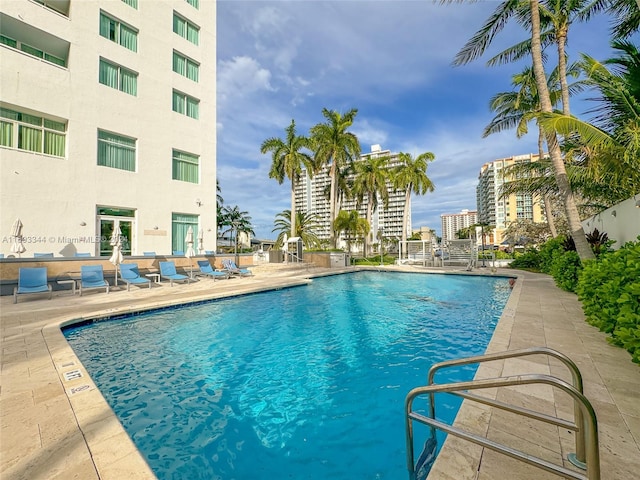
{"x": 391, "y": 60}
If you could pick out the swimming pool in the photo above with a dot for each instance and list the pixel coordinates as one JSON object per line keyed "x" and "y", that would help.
{"x": 305, "y": 382}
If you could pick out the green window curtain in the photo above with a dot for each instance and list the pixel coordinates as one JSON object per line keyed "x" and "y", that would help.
{"x": 6, "y": 134}
{"x": 194, "y": 3}
{"x": 116, "y": 151}
{"x": 108, "y": 74}
{"x": 132, "y": 3}
{"x": 192, "y": 70}
{"x": 192, "y": 33}
{"x": 178, "y": 102}
{"x": 192, "y": 107}
{"x": 179, "y": 64}
{"x": 10, "y": 114}
{"x": 54, "y": 59}
{"x": 129, "y": 82}
{"x": 105, "y": 26}
{"x": 29, "y": 138}
{"x": 31, "y": 119}
{"x": 179, "y": 26}
{"x": 180, "y": 224}
{"x": 128, "y": 38}
{"x": 54, "y": 143}
{"x": 8, "y": 41}
{"x": 31, "y": 51}
{"x": 185, "y": 167}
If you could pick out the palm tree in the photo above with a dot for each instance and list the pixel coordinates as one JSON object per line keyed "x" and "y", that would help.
{"x": 238, "y": 222}
{"x": 371, "y": 175}
{"x": 609, "y": 148}
{"x": 627, "y": 17}
{"x": 411, "y": 176}
{"x": 351, "y": 224}
{"x": 335, "y": 147}
{"x": 306, "y": 227}
{"x": 573, "y": 218}
{"x": 518, "y": 107}
{"x": 219, "y": 203}
{"x": 288, "y": 161}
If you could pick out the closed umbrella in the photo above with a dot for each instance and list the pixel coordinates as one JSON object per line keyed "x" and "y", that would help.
{"x": 116, "y": 257}
{"x": 285, "y": 247}
{"x": 190, "y": 251}
{"x": 201, "y": 241}
{"x": 16, "y": 232}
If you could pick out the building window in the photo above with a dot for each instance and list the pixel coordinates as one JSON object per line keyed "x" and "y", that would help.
{"x": 185, "y": 104}
{"x": 185, "y": 166}
{"x": 34, "y": 52}
{"x": 180, "y": 223}
{"x": 194, "y": 3}
{"x": 185, "y": 29}
{"x": 185, "y": 66}
{"x": 132, "y": 3}
{"x": 116, "y": 151}
{"x": 118, "y": 32}
{"x": 112, "y": 220}
{"x": 118, "y": 77}
{"x": 32, "y": 133}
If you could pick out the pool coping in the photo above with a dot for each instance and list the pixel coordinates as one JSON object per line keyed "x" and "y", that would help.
{"x": 78, "y": 434}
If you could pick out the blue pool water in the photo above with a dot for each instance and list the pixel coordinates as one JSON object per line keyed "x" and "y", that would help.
{"x": 306, "y": 382}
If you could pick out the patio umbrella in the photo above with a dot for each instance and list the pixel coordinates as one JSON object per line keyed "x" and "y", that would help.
{"x": 201, "y": 241}
{"x": 116, "y": 257}
{"x": 190, "y": 251}
{"x": 16, "y": 232}
{"x": 285, "y": 246}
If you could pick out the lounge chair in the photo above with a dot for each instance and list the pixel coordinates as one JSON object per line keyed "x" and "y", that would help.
{"x": 207, "y": 270}
{"x": 130, "y": 275}
{"x": 82, "y": 254}
{"x": 231, "y": 267}
{"x": 92, "y": 276}
{"x": 168, "y": 271}
{"x": 31, "y": 280}
{"x": 179, "y": 253}
{"x": 149, "y": 254}
{"x": 42, "y": 255}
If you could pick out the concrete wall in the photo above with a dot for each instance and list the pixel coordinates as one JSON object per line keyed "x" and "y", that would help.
{"x": 620, "y": 222}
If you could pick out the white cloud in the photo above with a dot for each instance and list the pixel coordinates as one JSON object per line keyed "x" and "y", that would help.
{"x": 242, "y": 76}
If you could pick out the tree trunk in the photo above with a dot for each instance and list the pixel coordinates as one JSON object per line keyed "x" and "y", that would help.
{"x": 573, "y": 218}
{"x": 405, "y": 216}
{"x": 548, "y": 211}
{"x": 562, "y": 69}
{"x": 332, "y": 205}
{"x": 368, "y": 238}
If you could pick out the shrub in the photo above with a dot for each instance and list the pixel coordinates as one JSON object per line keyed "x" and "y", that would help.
{"x": 546, "y": 253}
{"x": 609, "y": 289}
{"x": 529, "y": 260}
{"x": 565, "y": 269}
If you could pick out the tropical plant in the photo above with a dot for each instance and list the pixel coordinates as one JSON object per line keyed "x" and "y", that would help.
{"x": 289, "y": 161}
{"x": 335, "y": 148}
{"x": 237, "y": 221}
{"x": 352, "y": 225}
{"x": 411, "y": 176}
{"x": 219, "y": 204}
{"x": 598, "y": 240}
{"x": 306, "y": 226}
{"x": 370, "y": 181}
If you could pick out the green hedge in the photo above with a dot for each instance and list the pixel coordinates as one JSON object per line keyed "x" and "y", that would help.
{"x": 609, "y": 289}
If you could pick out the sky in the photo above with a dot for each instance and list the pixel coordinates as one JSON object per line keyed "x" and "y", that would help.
{"x": 392, "y": 61}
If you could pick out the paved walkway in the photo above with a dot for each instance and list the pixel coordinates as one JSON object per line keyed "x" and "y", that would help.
{"x": 56, "y": 425}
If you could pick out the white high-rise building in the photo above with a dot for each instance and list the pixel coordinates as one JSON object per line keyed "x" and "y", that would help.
{"x": 312, "y": 196}
{"x": 451, "y": 223}
{"x": 107, "y": 121}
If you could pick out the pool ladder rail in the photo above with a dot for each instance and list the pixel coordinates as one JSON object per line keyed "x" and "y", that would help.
{"x": 585, "y": 424}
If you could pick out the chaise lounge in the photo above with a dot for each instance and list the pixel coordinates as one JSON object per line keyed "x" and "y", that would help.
{"x": 168, "y": 271}
{"x": 231, "y": 267}
{"x": 207, "y": 270}
{"x": 91, "y": 277}
{"x": 130, "y": 275}
{"x": 32, "y": 280}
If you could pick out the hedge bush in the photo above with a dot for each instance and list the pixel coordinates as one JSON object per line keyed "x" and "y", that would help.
{"x": 609, "y": 289}
{"x": 529, "y": 260}
{"x": 565, "y": 268}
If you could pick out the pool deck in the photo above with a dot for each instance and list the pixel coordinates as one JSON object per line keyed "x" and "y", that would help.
{"x": 56, "y": 424}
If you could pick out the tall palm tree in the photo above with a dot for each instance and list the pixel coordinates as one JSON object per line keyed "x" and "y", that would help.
{"x": 335, "y": 147}
{"x": 288, "y": 161}
{"x": 517, "y": 108}
{"x": 219, "y": 204}
{"x": 411, "y": 176}
{"x": 371, "y": 176}
{"x": 627, "y": 17}
{"x": 306, "y": 227}
{"x": 352, "y": 225}
{"x": 237, "y": 221}
{"x": 560, "y": 173}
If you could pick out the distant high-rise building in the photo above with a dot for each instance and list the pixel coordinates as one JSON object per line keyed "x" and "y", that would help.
{"x": 453, "y": 222}
{"x": 500, "y": 212}
{"x": 107, "y": 123}
{"x": 312, "y": 196}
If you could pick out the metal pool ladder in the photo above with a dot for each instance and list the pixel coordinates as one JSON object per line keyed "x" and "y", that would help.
{"x": 584, "y": 425}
